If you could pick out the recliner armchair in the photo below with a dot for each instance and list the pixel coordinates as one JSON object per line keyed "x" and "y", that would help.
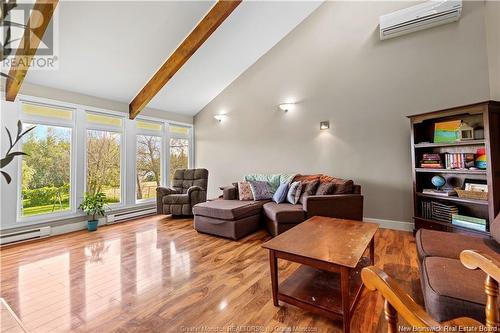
{"x": 189, "y": 187}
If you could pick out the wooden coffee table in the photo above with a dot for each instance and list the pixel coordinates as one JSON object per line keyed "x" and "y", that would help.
{"x": 331, "y": 252}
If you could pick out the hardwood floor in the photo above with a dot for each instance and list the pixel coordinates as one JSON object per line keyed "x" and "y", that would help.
{"x": 159, "y": 275}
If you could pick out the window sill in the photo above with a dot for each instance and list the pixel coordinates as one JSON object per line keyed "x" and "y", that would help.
{"x": 70, "y": 217}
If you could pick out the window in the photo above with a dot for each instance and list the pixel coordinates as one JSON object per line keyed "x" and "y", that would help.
{"x": 46, "y": 169}
{"x": 148, "y": 166}
{"x": 73, "y": 149}
{"x": 104, "y": 156}
{"x": 148, "y": 158}
{"x": 179, "y": 148}
{"x": 103, "y": 164}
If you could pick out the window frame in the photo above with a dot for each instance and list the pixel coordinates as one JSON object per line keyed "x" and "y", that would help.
{"x": 163, "y": 158}
{"x": 46, "y": 121}
{"x": 120, "y": 130}
{"x": 188, "y": 136}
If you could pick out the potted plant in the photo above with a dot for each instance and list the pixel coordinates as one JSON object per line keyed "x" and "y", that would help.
{"x": 93, "y": 205}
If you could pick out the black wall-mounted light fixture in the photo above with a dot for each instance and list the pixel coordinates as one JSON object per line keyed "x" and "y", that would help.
{"x": 324, "y": 125}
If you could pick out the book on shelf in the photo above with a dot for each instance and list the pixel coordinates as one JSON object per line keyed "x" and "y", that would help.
{"x": 426, "y": 209}
{"x": 431, "y": 161}
{"x": 447, "y": 192}
{"x": 442, "y": 212}
{"x": 431, "y": 157}
{"x": 469, "y": 225}
{"x": 432, "y": 166}
{"x": 459, "y": 160}
{"x": 469, "y": 219}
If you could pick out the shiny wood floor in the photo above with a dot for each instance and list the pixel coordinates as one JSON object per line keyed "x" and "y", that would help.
{"x": 159, "y": 275}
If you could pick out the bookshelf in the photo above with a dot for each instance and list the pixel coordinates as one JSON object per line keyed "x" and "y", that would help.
{"x": 484, "y": 115}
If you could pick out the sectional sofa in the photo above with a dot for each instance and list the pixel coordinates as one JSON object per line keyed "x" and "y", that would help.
{"x": 232, "y": 218}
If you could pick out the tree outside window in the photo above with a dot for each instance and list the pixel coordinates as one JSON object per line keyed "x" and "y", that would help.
{"x": 148, "y": 166}
{"x": 103, "y": 164}
{"x": 179, "y": 155}
{"x": 46, "y": 170}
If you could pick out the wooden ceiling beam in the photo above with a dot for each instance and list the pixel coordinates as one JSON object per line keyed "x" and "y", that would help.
{"x": 212, "y": 20}
{"x": 37, "y": 24}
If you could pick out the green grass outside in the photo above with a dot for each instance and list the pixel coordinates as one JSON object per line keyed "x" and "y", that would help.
{"x": 36, "y": 210}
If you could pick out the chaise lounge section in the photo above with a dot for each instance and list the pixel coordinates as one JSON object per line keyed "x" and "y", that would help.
{"x": 233, "y": 218}
{"x": 450, "y": 289}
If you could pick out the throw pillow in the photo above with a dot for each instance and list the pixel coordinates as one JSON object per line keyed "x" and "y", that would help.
{"x": 292, "y": 196}
{"x": 261, "y": 190}
{"x": 308, "y": 188}
{"x": 325, "y": 188}
{"x": 343, "y": 186}
{"x": 306, "y": 178}
{"x": 245, "y": 191}
{"x": 281, "y": 193}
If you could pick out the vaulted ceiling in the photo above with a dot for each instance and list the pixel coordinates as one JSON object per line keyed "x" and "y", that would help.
{"x": 111, "y": 49}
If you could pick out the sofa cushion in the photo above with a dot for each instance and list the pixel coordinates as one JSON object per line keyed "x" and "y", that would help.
{"x": 341, "y": 186}
{"x": 432, "y": 243}
{"x": 495, "y": 229}
{"x": 273, "y": 179}
{"x": 284, "y": 213}
{"x": 281, "y": 193}
{"x": 228, "y": 209}
{"x": 176, "y": 199}
{"x": 451, "y": 290}
{"x": 244, "y": 191}
{"x": 325, "y": 188}
{"x": 294, "y": 192}
{"x": 261, "y": 190}
{"x": 308, "y": 189}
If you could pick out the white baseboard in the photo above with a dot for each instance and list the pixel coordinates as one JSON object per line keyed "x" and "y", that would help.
{"x": 390, "y": 224}
{"x": 70, "y": 227}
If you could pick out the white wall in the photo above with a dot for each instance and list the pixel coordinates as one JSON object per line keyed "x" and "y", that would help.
{"x": 493, "y": 38}
{"x": 337, "y": 69}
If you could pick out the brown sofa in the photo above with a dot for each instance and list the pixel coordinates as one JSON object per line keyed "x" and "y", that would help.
{"x": 450, "y": 289}
{"x": 189, "y": 187}
{"x": 232, "y": 218}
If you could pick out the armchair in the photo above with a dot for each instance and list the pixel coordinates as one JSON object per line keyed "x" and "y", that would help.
{"x": 189, "y": 187}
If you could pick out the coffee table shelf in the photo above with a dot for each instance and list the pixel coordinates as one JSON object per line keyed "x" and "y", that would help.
{"x": 332, "y": 253}
{"x": 321, "y": 289}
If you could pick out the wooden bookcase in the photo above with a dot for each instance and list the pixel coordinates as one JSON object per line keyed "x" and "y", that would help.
{"x": 486, "y": 115}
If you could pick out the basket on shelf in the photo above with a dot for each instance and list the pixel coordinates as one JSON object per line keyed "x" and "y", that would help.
{"x": 476, "y": 195}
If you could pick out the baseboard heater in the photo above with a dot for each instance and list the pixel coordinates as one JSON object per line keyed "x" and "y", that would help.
{"x": 120, "y": 217}
{"x": 24, "y": 235}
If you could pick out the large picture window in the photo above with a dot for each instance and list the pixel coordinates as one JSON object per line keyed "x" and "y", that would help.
{"x": 103, "y": 164}
{"x": 73, "y": 149}
{"x": 46, "y": 170}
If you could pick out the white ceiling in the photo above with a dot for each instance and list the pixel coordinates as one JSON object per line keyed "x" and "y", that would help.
{"x": 111, "y": 49}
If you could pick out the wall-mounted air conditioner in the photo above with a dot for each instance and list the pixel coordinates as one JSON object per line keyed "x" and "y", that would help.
{"x": 419, "y": 17}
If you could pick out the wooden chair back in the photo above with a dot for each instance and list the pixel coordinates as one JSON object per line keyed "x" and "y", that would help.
{"x": 396, "y": 301}
{"x": 477, "y": 260}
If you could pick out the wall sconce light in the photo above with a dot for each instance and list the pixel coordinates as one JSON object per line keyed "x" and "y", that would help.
{"x": 220, "y": 117}
{"x": 286, "y": 106}
{"x": 324, "y": 125}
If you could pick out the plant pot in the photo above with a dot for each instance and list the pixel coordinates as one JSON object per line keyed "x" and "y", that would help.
{"x": 92, "y": 225}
